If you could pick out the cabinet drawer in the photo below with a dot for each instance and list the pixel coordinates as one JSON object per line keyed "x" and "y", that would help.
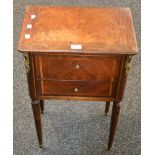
{"x": 75, "y": 88}
{"x": 74, "y": 68}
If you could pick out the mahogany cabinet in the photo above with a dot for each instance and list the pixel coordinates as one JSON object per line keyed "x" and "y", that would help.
{"x": 77, "y": 53}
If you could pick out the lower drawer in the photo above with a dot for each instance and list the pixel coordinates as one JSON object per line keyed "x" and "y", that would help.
{"x": 75, "y": 88}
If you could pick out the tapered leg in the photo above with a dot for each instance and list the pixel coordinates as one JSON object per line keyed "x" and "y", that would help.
{"x": 107, "y": 108}
{"x": 114, "y": 121}
{"x": 37, "y": 119}
{"x": 42, "y": 106}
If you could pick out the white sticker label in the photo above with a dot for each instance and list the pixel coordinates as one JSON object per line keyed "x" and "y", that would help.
{"x": 76, "y": 46}
{"x": 33, "y": 16}
{"x": 27, "y": 36}
{"x": 29, "y": 26}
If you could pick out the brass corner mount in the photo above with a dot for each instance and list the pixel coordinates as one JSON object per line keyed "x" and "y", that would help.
{"x": 26, "y": 62}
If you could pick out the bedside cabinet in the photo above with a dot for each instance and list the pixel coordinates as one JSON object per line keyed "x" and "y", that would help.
{"x": 77, "y": 53}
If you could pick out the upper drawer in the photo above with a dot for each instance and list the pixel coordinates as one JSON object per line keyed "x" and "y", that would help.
{"x": 76, "y": 68}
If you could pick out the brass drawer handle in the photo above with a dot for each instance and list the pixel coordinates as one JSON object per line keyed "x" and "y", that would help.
{"x": 76, "y": 90}
{"x": 77, "y": 66}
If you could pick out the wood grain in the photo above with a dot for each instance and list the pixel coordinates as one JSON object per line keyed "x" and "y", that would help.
{"x": 98, "y": 30}
{"x": 105, "y": 68}
{"x": 76, "y": 88}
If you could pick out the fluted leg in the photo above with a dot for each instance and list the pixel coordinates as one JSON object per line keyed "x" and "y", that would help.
{"x": 114, "y": 121}
{"x": 37, "y": 119}
{"x": 107, "y": 108}
{"x": 42, "y": 106}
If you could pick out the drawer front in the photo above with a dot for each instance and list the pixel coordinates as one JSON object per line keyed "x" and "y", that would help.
{"x": 75, "y": 88}
{"x": 74, "y": 68}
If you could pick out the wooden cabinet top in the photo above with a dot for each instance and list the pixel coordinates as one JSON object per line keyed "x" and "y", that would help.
{"x": 78, "y": 29}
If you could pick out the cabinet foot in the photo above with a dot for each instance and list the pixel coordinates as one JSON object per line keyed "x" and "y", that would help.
{"x": 37, "y": 118}
{"x": 107, "y": 108}
{"x": 114, "y": 121}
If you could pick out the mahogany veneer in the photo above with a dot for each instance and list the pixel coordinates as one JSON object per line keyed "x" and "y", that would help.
{"x": 77, "y": 53}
